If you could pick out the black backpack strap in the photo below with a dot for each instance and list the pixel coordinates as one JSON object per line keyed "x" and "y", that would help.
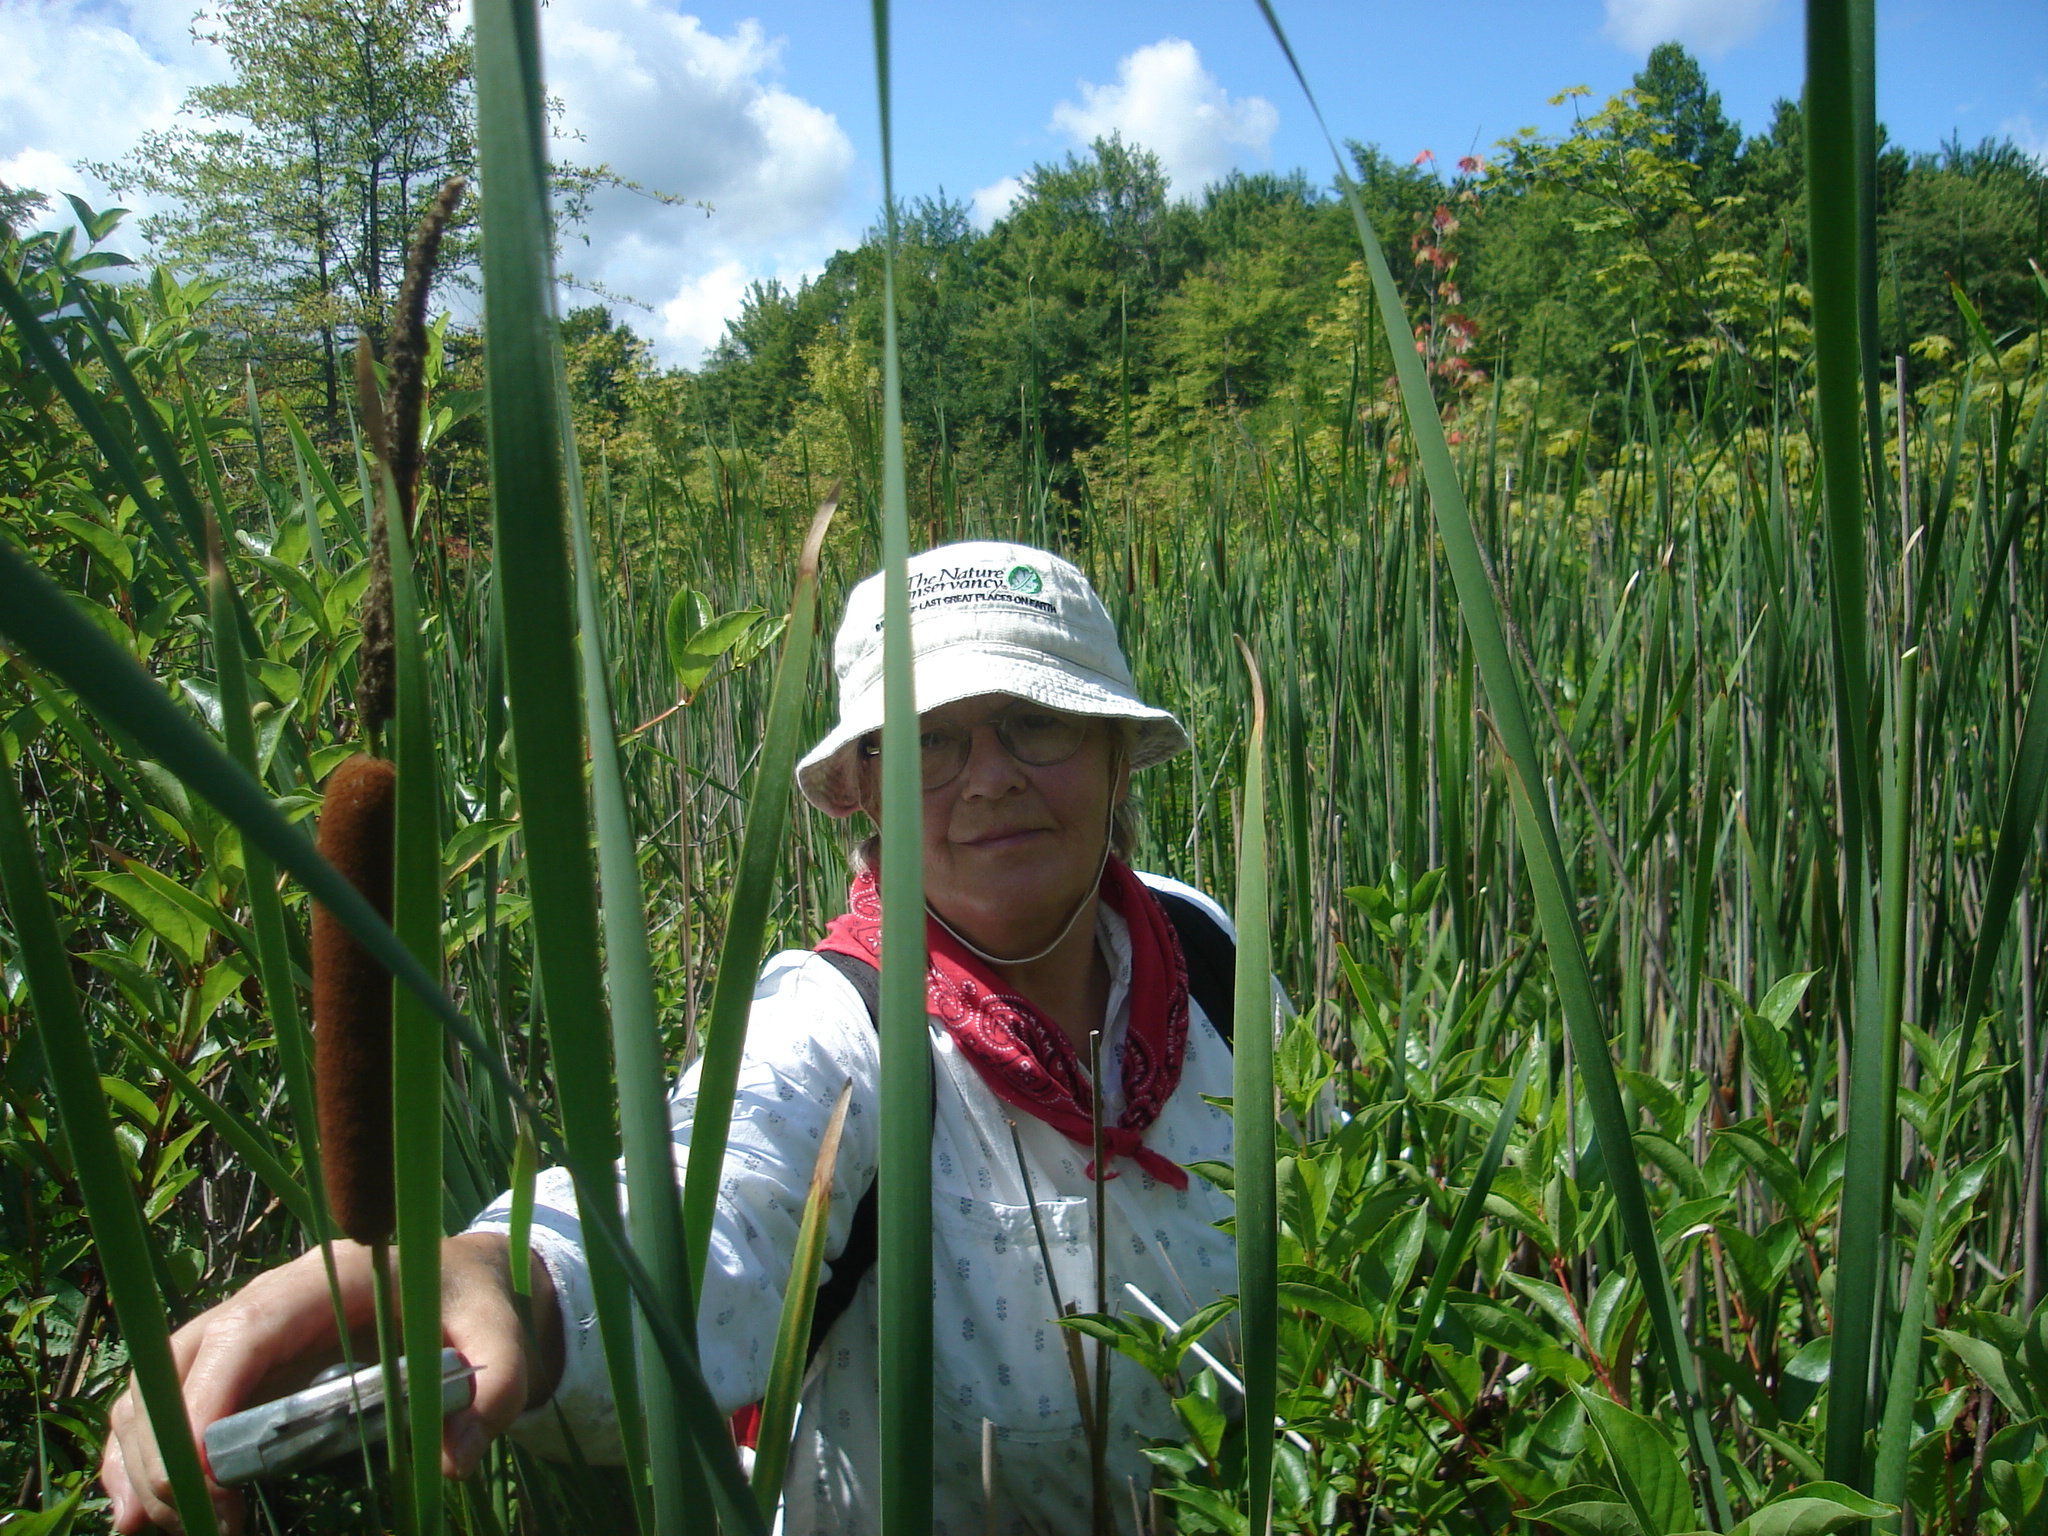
{"x": 1211, "y": 959}
{"x": 836, "y": 1292}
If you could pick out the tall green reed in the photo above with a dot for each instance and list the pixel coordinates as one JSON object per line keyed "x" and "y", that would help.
{"x": 1254, "y": 1178}
{"x": 904, "y": 1263}
{"x": 1545, "y": 865}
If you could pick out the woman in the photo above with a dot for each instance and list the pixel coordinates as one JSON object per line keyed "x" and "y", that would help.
{"x": 1038, "y": 937}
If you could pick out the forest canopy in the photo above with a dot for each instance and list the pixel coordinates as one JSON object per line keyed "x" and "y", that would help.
{"x": 1102, "y": 327}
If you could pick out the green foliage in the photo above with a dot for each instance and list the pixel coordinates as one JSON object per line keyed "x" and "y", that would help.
{"x": 1188, "y": 398}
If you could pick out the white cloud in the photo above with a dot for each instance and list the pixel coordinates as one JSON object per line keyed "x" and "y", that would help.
{"x": 2021, "y": 130}
{"x": 991, "y": 202}
{"x": 89, "y": 79}
{"x": 1166, "y": 101}
{"x": 695, "y": 318}
{"x": 648, "y": 90}
{"x": 1710, "y": 27}
{"x": 682, "y": 110}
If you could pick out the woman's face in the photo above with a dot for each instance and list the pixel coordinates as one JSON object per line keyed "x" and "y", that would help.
{"x": 1009, "y": 849}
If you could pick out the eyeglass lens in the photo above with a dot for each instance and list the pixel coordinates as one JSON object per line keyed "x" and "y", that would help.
{"x": 1035, "y": 738}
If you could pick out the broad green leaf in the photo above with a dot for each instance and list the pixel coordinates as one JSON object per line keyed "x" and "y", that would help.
{"x": 1812, "y": 1509}
{"x": 695, "y": 644}
{"x": 1990, "y": 1366}
{"x": 1334, "y": 1307}
{"x": 167, "y": 919}
{"x": 1644, "y": 1465}
{"x": 1586, "y": 1509}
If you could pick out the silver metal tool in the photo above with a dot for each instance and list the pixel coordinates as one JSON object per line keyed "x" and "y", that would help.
{"x": 330, "y": 1418}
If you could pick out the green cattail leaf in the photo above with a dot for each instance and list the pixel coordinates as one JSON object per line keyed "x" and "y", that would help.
{"x": 1536, "y": 831}
{"x": 674, "y": 1481}
{"x": 1253, "y": 1121}
{"x": 532, "y": 579}
{"x": 97, "y": 1163}
{"x": 416, "y": 1051}
{"x": 904, "y": 1267}
{"x": 799, "y": 1306}
{"x": 1833, "y": 197}
{"x": 310, "y": 459}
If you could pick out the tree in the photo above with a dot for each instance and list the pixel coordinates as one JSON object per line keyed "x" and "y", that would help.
{"x": 1674, "y": 89}
{"x": 301, "y": 181}
{"x": 1071, "y": 276}
{"x": 1968, "y": 216}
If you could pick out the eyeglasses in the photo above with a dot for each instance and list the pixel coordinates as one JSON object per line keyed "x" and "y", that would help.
{"x": 1037, "y": 738}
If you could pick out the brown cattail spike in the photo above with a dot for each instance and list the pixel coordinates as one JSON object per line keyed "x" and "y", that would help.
{"x": 352, "y": 1005}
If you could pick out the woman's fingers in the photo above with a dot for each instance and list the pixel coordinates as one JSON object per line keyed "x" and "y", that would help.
{"x": 272, "y": 1333}
{"x": 479, "y": 1320}
{"x": 226, "y": 1358}
{"x": 133, "y": 1473}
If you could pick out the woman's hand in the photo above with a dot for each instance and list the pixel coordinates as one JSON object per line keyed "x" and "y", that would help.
{"x": 274, "y": 1334}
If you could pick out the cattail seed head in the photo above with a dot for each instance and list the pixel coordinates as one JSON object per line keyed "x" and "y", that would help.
{"x": 409, "y": 347}
{"x": 352, "y": 1005}
{"x": 377, "y": 656}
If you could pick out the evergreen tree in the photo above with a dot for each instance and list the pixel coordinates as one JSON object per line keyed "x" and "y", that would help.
{"x": 1675, "y": 89}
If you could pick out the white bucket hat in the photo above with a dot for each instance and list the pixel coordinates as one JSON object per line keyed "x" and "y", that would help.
{"x": 984, "y": 618}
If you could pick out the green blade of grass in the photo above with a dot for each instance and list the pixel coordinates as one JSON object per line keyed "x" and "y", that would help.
{"x": 96, "y": 1161}
{"x": 1253, "y": 1128}
{"x": 674, "y": 1486}
{"x": 266, "y": 907}
{"x": 2026, "y": 791}
{"x": 309, "y": 456}
{"x": 793, "y": 1330}
{"x": 739, "y": 957}
{"x": 1544, "y": 862}
{"x": 904, "y": 1266}
{"x": 416, "y": 1054}
{"x": 532, "y": 572}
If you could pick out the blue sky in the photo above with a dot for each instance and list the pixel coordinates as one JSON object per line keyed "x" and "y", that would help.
{"x": 766, "y": 111}
{"x": 977, "y": 84}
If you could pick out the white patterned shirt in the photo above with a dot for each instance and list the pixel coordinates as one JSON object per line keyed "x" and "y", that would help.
{"x": 996, "y": 1353}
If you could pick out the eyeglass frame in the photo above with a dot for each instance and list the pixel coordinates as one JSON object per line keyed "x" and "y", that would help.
{"x": 868, "y": 746}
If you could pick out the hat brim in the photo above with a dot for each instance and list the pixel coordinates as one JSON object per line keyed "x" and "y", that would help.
{"x": 829, "y": 773}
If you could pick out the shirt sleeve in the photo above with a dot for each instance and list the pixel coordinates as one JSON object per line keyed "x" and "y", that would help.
{"x": 808, "y": 1035}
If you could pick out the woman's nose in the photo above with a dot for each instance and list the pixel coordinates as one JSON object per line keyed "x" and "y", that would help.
{"x": 990, "y": 769}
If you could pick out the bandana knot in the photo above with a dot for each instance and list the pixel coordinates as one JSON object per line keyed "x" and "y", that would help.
{"x": 1027, "y": 1060}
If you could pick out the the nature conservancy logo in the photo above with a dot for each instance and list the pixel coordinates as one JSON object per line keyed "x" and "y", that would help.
{"x": 985, "y": 586}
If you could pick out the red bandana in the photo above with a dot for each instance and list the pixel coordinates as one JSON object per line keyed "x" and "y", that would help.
{"x": 1025, "y": 1058}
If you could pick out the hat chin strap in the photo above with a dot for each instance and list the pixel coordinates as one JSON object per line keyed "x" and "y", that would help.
{"x": 1065, "y": 928}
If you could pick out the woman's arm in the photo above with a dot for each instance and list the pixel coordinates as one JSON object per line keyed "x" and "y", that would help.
{"x": 808, "y": 1035}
